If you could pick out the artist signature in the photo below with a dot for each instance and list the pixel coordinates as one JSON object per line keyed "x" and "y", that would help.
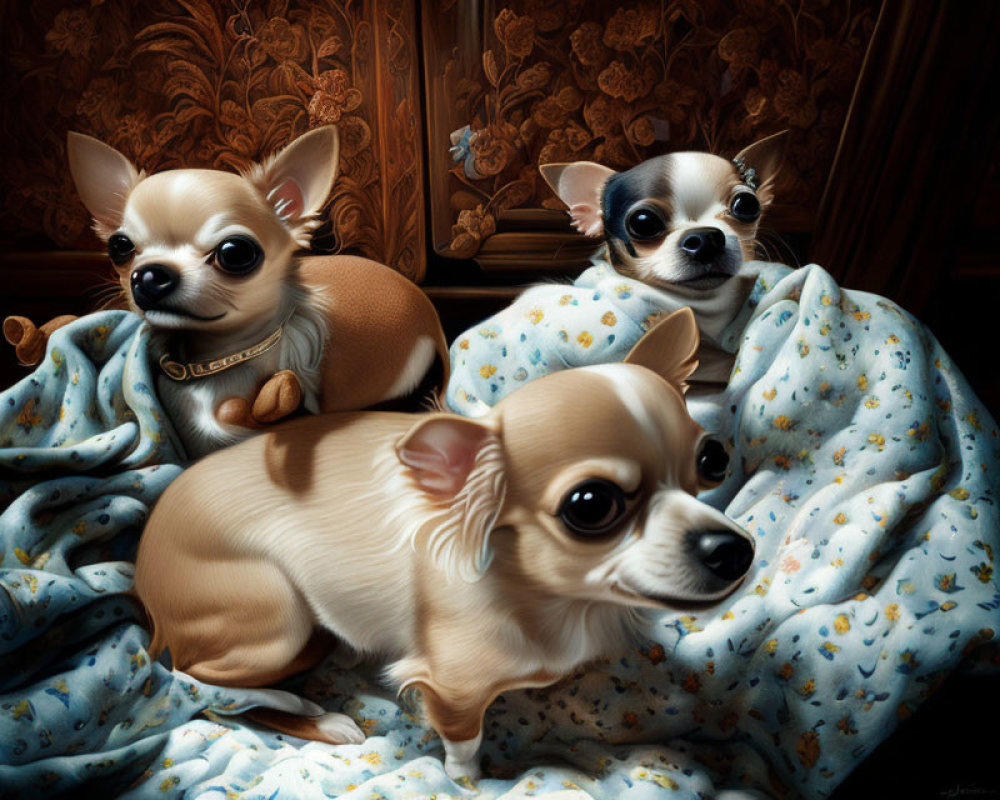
{"x": 961, "y": 791}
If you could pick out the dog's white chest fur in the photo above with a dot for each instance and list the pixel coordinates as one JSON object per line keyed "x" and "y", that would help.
{"x": 191, "y": 404}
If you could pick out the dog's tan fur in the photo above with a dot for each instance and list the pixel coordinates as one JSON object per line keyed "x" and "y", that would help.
{"x": 436, "y": 541}
{"x": 356, "y": 333}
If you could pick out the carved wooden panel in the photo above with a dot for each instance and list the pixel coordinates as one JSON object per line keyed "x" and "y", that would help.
{"x": 515, "y": 83}
{"x": 215, "y": 83}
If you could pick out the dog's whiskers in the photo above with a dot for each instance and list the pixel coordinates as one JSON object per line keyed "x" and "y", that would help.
{"x": 762, "y": 251}
{"x": 108, "y": 294}
{"x": 780, "y": 247}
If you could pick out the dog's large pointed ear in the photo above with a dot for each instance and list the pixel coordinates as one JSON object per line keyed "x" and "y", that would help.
{"x": 297, "y": 180}
{"x": 458, "y": 463}
{"x": 669, "y": 348}
{"x": 579, "y": 186}
{"x": 764, "y": 157}
{"x": 103, "y": 177}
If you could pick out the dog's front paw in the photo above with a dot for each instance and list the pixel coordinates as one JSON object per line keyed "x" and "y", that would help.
{"x": 461, "y": 759}
{"x": 235, "y": 411}
{"x": 463, "y": 772}
{"x": 277, "y": 398}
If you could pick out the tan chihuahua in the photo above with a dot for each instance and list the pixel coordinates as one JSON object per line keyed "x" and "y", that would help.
{"x": 478, "y": 556}
{"x": 244, "y": 330}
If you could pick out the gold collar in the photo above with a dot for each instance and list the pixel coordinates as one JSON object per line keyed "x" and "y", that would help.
{"x": 202, "y": 369}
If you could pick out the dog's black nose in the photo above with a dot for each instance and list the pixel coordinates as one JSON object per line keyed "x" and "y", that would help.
{"x": 725, "y": 554}
{"x": 703, "y": 244}
{"x": 152, "y": 283}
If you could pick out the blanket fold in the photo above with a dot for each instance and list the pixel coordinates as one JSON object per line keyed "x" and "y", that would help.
{"x": 85, "y": 451}
{"x": 863, "y": 465}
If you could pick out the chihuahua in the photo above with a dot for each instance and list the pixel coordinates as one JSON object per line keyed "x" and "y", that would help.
{"x": 681, "y": 220}
{"x": 477, "y": 556}
{"x": 244, "y": 330}
{"x": 677, "y": 230}
{"x": 683, "y": 223}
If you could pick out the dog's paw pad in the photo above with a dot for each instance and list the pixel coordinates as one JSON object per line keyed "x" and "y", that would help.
{"x": 340, "y": 729}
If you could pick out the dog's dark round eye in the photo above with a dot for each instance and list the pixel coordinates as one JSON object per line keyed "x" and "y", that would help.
{"x": 238, "y": 255}
{"x": 645, "y": 223}
{"x": 120, "y": 249}
{"x": 712, "y": 461}
{"x": 745, "y": 207}
{"x": 593, "y": 507}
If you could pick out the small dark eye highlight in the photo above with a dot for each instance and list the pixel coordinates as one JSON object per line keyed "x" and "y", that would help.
{"x": 645, "y": 222}
{"x": 238, "y": 255}
{"x": 121, "y": 249}
{"x": 593, "y": 508}
{"x": 745, "y": 207}
{"x": 713, "y": 461}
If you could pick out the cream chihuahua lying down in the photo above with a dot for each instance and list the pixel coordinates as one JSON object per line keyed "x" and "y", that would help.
{"x": 244, "y": 330}
{"x": 477, "y": 556}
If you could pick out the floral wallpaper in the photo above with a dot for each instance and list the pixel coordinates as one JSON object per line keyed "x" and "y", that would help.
{"x": 509, "y": 85}
{"x": 567, "y": 80}
{"x": 203, "y": 83}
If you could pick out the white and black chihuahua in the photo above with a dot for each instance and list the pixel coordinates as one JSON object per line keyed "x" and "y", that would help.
{"x": 681, "y": 221}
{"x": 682, "y": 224}
{"x": 684, "y": 218}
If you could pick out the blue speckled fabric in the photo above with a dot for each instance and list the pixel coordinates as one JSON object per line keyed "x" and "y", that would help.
{"x": 865, "y": 468}
{"x": 868, "y": 472}
{"x": 595, "y": 320}
{"x": 84, "y": 453}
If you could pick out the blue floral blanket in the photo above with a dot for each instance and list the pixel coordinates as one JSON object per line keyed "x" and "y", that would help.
{"x": 865, "y": 467}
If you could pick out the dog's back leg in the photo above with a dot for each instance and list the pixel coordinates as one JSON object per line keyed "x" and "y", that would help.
{"x": 236, "y": 623}
{"x": 257, "y": 632}
{"x": 329, "y": 727}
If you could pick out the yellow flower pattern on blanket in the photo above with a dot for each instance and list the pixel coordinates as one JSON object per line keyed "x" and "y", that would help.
{"x": 827, "y": 391}
{"x": 863, "y": 466}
